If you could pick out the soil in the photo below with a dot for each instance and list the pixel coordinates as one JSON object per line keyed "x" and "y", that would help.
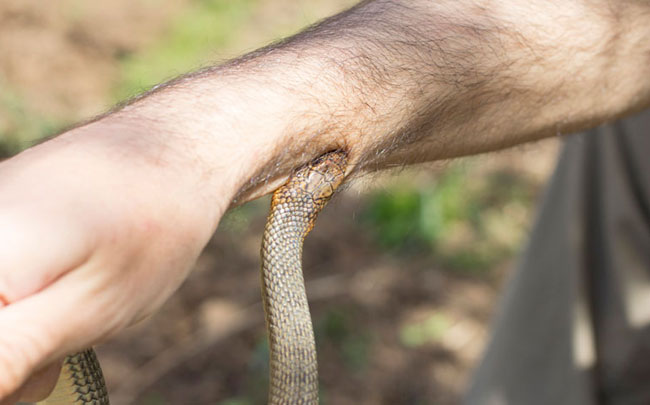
{"x": 206, "y": 345}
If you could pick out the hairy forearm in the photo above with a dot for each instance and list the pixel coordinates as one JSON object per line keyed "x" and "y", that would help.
{"x": 397, "y": 82}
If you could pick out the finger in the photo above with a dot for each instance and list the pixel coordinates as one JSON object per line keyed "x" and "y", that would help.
{"x": 41, "y": 384}
{"x": 13, "y": 398}
{"x": 34, "y": 252}
{"x": 61, "y": 319}
{"x": 10, "y": 400}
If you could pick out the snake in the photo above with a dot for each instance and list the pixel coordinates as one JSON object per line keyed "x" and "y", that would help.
{"x": 293, "y": 364}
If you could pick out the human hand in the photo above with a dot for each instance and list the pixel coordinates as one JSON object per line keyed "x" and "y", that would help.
{"x": 89, "y": 244}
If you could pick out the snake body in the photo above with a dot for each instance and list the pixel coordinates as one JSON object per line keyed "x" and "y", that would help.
{"x": 80, "y": 383}
{"x": 294, "y": 207}
{"x": 294, "y": 371}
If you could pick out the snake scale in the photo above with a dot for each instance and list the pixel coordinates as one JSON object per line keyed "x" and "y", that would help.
{"x": 293, "y": 366}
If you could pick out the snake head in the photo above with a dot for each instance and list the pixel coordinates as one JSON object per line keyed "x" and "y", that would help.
{"x": 323, "y": 176}
{"x": 311, "y": 187}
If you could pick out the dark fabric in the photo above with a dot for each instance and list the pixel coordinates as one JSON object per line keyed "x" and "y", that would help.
{"x": 574, "y": 324}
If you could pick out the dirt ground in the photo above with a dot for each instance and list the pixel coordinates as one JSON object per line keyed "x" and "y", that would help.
{"x": 391, "y": 328}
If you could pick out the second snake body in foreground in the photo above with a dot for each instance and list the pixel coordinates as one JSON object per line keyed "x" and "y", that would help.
{"x": 294, "y": 207}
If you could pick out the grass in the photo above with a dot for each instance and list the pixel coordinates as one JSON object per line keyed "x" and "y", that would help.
{"x": 427, "y": 331}
{"x": 204, "y": 26}
{"x": 237, "y": 221}
{"x": 469, "y": 222}
{"x": 20, "y": 126}
{"x": 338, "y": 328}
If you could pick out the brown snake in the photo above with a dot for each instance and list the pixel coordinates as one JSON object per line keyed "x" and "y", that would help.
{"x": 294, "y": 371}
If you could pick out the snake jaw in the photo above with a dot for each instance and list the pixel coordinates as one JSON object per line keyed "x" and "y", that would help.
{"x": 314, "y": 183}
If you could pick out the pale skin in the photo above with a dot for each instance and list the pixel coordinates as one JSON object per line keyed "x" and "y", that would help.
{"x": 100, "y": 225}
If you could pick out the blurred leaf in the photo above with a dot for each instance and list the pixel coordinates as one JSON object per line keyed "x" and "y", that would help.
{"x": 428, "y": 331}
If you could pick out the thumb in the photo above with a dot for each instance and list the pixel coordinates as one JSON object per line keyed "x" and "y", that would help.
{"x": 36, "y": 250}
{"x": 41, "y": 384}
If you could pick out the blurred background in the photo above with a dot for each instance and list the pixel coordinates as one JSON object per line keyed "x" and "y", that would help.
{"x": 403, "y": 270}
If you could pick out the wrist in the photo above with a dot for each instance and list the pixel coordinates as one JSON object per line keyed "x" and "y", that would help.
{"x": 242, "y": 127}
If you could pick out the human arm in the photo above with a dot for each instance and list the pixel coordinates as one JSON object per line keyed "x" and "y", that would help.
{"x": 100, "y": 225}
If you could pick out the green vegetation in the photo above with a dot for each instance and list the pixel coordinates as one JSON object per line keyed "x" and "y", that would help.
{"x": 235, "y": 401}
{"x": 20, "y": 126}
{"x": 429, "y": 330}
{"x": 154, "y": 398}
{"x": 238, "y": 220}
{"x": 338, "y": 328}
{"x": 469, "y": 222}
{"x": 257, "y": 377}
{"x": 204, "y": 26}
